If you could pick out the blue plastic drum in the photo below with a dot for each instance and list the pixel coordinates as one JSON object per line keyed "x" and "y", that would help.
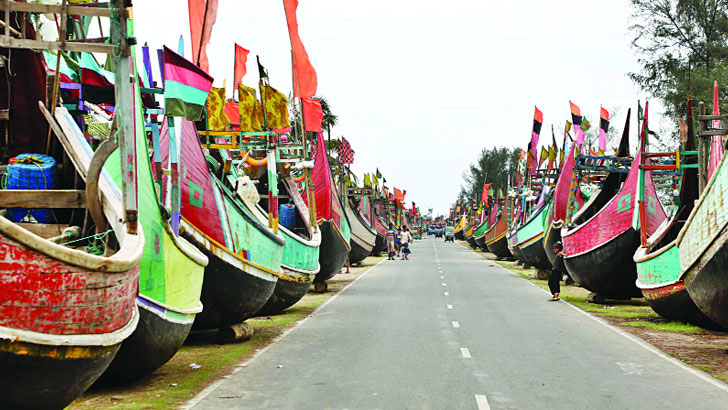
{"x": 31, "y": 171}
{"x": 287, "y": 215}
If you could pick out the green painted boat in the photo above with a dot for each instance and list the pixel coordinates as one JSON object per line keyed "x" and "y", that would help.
{"x": 479, "y": 234}
{"x": 170, "y": 277}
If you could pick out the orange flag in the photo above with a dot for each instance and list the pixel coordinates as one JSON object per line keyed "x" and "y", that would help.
{"x": 241, "y": 57}
{"x": 313, "y": 115}
{"x": 305, "y": 82}
{"x": 203, "y": 14}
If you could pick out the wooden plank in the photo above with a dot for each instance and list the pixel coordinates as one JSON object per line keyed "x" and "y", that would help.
{"x": 44, "y": 230}
{"x": 92, "y": 11}
{"x": 43, "y": 198}
{"x": 11, "y": 42}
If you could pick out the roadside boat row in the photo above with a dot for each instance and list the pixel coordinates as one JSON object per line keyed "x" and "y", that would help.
{"x": 621, "y": 239}
{"x": 146, "y": 219}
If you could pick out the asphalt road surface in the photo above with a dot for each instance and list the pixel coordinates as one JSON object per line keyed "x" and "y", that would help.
{"x": 451, "y": 330}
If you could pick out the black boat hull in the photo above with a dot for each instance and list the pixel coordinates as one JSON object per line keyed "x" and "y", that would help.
{"x": 608, "y": 269}
{"x": 358, "y": 253}
{"x": 673, "y": 302}
{"x": 471, "y": 242}
{"x": 332, "y": 254}
{"x": 499, "y": 248}
{"x": 459, "y": 235}
{"x": 44, "y": 377}
{"x": 286, "y": 294}
{"x": 534, "y": 254}
{"x": 480, "y": 242}
{"x": 152, "y": 344}
{"x": 229, "y": 294}
{"x": 707, "y": 281}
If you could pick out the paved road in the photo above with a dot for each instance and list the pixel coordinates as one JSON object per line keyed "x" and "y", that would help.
{"x": 451, "y": 330}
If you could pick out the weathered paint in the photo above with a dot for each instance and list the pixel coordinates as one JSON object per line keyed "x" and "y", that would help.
{"x": 660, "y": 269}
{"x": 44, "y": 295}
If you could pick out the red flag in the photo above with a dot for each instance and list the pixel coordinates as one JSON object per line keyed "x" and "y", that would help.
{"x": 305, "y": 81}
{"x": 203, "y": 14}
{"x": 233, "y": 113}
{"x": 313, "y": 115}
{"x": 484, "y": 196}
{"x": 398, "y": 195}
{"x": 241, "y": 58}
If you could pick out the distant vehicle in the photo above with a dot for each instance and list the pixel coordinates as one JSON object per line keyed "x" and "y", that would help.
{"x": 449, "y": 234}
{"x": 416, "y": 232}
{"x": 432, "y": 230}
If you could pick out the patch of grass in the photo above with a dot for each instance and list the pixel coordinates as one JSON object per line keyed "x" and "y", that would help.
{"x": 666, "y": 326}
{"x": 176, "y": 382}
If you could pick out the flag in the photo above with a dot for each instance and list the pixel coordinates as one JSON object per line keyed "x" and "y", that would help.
{"x": 185, "y": 87}
{"x": 484, "y": 195}
{"x": 603, "y": 128}
{"x": 623, "y": 150}
{"x": 276, "y": 108}
{"x": 544, "y": 156}
{"x": 379, "y": 174}
{"x": 531, "y": 159}
{"x": 97, "y": 84}
{"x": 367, "y": 180}
{"x": 203, "y": 14}
{"x": 251, "y": 112}
{"x": 575, "y": 115}
{"x": 346, "y": 154}
{"x": 585, "y": 124}
{"x": 313, "y": 115}
{"x": 537, "y": 122}
{"x": 216, "y": 118}
{"x": 241, "y": 59}
{"x": 304, "y": 75}
{"x": 553, "y": 150}
{"x": 375, "y": 179}
{"x": 398, "y": 194}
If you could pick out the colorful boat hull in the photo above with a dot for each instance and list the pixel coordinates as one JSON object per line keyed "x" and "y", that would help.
{"x": 363, "y": 236}
{"x": 529, "y": 238}
{"x": 495, "y": 236}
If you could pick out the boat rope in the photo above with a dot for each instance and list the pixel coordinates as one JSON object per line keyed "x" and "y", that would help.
{"x": 93, "y": 248}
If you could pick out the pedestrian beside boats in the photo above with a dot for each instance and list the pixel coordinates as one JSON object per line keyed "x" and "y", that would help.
{"x": 391, "y": 236}
{"x": 557, "y": 272}
{"x": 405, "y": 242}
{"x": 399, "y": 240}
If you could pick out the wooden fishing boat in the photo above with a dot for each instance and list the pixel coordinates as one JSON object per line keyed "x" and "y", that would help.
{"x": 363, "y": 236}
{"x": 469, "y": 234}
{"x": 244, "y": 253}
{"x": 703, "y": 241}
{"x": 65, "y": 309}
{"x": 333, "y": 223}
{"x": 369, "y": 211}
{"x": 460, "y": 228}
{"x": 528, "y": 238}
{"x": 479, "y": 235}
{"x": 658, "y": 260}
{"x": 300, "y": 264}
{"x": 495, "y": 236}
{"x": 512, "y": 241}
{"x": 607, "y": 228}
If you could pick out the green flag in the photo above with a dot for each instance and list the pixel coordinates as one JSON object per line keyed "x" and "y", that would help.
{"x": 585, "y": 125}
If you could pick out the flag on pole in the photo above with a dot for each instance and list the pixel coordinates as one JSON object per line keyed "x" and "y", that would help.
{"x": 484, "y": 195}
{"x": 533, "y": 153}
{"x": 202, "y": 14}
{"x": 216, "y": 118}
{"x": 276, "y": 108}
{"x": 603, "y": 128}
{"x": 251, "y": 112}
{"x": 304, "y": 75}
{"x": 575, "y": 115}
{"x": 544, "y": 156}
{"x": 346, "y": 154}
{"x": 367, "y": 180}
{"x": 241, "y": 59}
{"x": 185, "y": 87}
{"x": 313, "y": 115}
{"x": 553, "y": 150}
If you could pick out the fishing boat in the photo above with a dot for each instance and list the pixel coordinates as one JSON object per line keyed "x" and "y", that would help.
{"x": 363, "y": 236}
{"x": 658, "y": 259}
{"x": 527, "y": 241}
{"x": 479, "y": 234}
{"x": 608, "y": 227}
{"x": 244, "y": 253}
{"x": 333, "y": 223}
{"x": 369, "y": 211}
{"x": 702, "y": 242}
{"x": 469, "y": 234}
{"x": 495, "y": 236}
{"x": 68, "y": 286}
{"x": 460, "y": 228}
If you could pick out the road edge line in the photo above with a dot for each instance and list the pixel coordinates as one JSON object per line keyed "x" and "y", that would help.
{"x": 212, "y": 387}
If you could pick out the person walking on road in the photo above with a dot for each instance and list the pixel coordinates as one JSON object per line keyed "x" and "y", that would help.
{"x": 406, "y": 240}
{"x": 391, "y": 236}
{"x": 557, "y": 272}
{"x": 399, "y": 240}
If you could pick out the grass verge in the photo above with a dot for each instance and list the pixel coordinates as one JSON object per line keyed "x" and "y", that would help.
{"x": 180, "y": 379}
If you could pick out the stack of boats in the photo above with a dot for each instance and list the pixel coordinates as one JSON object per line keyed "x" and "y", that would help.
{"x": 619, "y": 242}
{"x": 112, "y": 253}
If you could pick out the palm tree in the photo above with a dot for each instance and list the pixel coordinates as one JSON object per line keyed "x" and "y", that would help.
{"x": 330, "y": 119}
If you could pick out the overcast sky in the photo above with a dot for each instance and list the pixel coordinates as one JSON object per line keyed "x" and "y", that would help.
{"x": 421, "y": 86}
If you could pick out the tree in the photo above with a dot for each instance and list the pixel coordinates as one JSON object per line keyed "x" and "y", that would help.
{"x": 330, "y": 119}
{"x": 682, "y": 46}
{"x": 493, "y": 166}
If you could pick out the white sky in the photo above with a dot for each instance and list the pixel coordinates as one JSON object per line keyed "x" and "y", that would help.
{"x": 421, "y": 86}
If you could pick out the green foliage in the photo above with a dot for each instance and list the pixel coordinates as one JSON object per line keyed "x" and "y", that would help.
{"x": 493, "y": 166}
{"x": 682, "y": 46}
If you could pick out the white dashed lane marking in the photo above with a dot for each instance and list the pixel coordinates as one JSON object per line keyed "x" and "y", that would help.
{"x": 447, "y": 293}
{"x": 455, "y": 324}
{"x": 482, "y": 402}
{"x": 465, "y": 353}
{"x": 449, "y": 307}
